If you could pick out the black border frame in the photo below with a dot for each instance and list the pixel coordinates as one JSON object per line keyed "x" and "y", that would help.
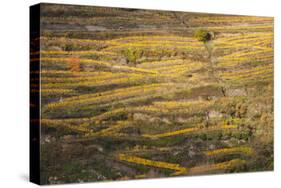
{"x": 34, "y": 137}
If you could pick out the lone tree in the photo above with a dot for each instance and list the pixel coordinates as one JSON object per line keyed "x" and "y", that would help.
{"x": 206, "y": 37}
{"x": 202, "y": 35}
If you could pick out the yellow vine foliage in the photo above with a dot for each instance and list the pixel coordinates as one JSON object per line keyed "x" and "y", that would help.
{"x": 179, "y": 170}
{"x": 59, "y": 123}
{"x": 244, "y": 150}
{"x": 159, "y": 164}
{"x": 216, "y": 167}
{"x": 112, "y": 130}
{"x": 190, "y": 130}
{"x": 95, "y": 62}
{"x": 60, "y": 52}
{"x": 105, "y": 96}
{"x": 95, "y": 82}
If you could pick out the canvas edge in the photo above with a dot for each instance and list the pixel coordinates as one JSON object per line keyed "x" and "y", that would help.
{"x": 34, "y": 129}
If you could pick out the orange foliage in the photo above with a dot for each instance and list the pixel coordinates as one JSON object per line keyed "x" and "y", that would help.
{"x": 74, "y": 64}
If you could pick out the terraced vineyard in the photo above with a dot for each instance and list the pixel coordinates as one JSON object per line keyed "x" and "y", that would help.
{"x": 128, "y": 94}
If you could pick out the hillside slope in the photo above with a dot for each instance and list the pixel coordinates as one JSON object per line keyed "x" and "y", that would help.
{"x": 129, "y": 94}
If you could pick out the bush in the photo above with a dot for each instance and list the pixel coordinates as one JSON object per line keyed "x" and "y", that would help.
{"x": 131, "y": 55}
{"x": 74, "y": 64}
{"x": 202, "y": 35}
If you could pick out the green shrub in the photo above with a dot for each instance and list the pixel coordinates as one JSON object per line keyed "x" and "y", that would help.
{"x": 202, "y": 35}
{"x": 131, "y": 55}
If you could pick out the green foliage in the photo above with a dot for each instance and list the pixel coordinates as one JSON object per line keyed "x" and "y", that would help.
{"x": 202, "y": 35}
{"x": 71, "y": 168}
{"x": 258, "y": 63}
{"x": 76, "y": 47}
{"x": 131, "y": 55}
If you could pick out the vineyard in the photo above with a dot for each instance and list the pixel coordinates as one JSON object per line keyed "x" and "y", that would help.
{"x": 130, "y": 94}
